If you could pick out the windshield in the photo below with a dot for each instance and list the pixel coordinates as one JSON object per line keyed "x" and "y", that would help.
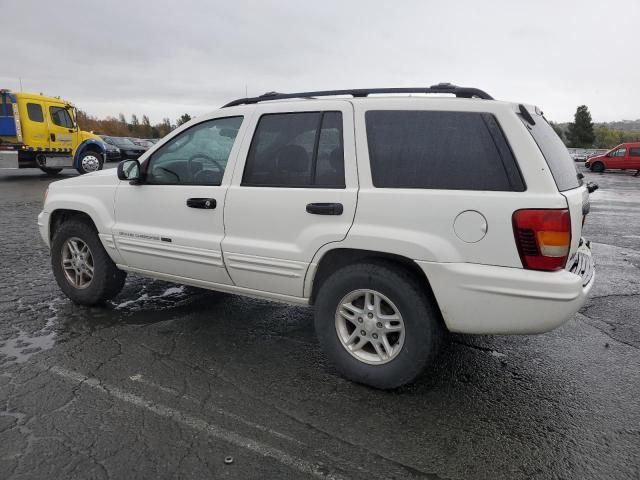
{"x": 125, "y": 142}
{"x": 554, "y": 151}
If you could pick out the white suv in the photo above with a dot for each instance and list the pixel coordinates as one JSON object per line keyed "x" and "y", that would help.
{"x": 398, "y": 217}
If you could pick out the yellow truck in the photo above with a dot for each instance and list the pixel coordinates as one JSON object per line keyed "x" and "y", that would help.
{"x": 37, "y": 131}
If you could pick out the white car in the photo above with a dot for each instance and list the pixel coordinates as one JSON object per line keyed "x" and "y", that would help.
{"x": 397, "y": 217}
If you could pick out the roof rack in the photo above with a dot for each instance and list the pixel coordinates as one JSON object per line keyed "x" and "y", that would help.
{"x": 462, "y": 92}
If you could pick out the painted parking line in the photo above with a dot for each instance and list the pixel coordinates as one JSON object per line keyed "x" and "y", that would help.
{"x": 314, "y": 469}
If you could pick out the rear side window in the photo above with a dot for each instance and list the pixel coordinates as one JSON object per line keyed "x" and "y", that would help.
{"x": 60, "y": 117}
{"x": 440, "y": 150}
{"x": 634, "y": 152}
{"x": 297, "y": 150}
{"x": 34, "y": 112}
{"x": 555, "y": 153}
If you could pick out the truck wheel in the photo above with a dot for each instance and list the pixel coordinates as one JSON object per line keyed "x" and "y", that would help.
{"x": 377, "y": 325}
{"x": 90, "y": 162}
{"x": 597, "y": 167}
{"x": 51, "y": 171}
{"x": 83, "y": 269}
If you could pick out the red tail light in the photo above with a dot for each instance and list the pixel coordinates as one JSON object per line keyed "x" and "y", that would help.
{"x": 543, "y": 238}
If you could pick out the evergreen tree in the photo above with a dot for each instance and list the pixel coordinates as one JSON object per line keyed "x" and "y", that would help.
{"x": 184, "y": 118}
{"x": 580, "y": 132}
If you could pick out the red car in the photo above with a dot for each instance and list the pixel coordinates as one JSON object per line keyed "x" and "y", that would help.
{"x": 625, "y": 156}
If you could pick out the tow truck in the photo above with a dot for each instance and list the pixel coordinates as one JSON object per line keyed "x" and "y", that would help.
{"x": 37, "y": 131}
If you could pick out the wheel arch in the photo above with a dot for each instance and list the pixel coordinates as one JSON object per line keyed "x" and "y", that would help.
{"x": 89, "y": 145}
{"x": 62, "y": 215}
{"x": 337, "y": 258}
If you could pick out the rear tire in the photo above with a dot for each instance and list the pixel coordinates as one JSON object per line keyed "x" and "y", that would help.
{"x": 412, "y": 341}
{"x": 90, "y": 162}
{"x": 89, "y": 278}
{"x": 597, "y": 167}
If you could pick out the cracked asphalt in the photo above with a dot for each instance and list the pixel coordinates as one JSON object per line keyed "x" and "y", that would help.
{"x": 167, "y": 381}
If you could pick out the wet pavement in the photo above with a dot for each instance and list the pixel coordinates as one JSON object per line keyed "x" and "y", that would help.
{"x": 167, "y": 381}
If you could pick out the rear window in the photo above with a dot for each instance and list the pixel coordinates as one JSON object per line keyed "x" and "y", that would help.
{"x": 440, "y": 150}
{"x": 34, "y": 112}
{"x": 555, "y": 153}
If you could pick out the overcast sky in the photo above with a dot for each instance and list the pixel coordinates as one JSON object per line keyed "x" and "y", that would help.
{"x": 164, "y": 58}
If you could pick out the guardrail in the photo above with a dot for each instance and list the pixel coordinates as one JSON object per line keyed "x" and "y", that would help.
{"x": 581, "y": 154}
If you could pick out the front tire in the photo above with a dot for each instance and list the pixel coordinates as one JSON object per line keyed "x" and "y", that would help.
{"x": 377, "y": 324}
{"x": 90, "y": 162}
{"x": 597, "y": 167}
{"x": 83, "y": 269}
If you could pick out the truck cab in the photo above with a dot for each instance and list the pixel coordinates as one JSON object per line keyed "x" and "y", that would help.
{"x": 37, "y": 131}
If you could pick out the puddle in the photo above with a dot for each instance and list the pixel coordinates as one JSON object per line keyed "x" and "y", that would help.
{"x": 176, "y": 293}
{"x": 25, "y": 345}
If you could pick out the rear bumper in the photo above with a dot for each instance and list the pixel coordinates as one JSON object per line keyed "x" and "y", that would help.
{"x": 486, "y": 299}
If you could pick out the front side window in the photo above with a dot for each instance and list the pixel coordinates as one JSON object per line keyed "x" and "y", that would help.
{"x": 440, "y": 150}
{"x": 634, "y": 152}
{"x": 619, "y": 152}
{"x": 197, "y": 156}
{"x": 60, "y": 117}
{"x": 296, "y": 150}
{"x": 34, "y": 112}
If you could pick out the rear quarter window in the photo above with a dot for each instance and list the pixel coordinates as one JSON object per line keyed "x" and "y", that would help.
{"x": 440, "y": 150}
{"x": 554, "y": 151}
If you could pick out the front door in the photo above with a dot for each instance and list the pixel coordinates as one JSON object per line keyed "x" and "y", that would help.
{"x": 62, "y": 129}
{"x": 172, "y": 222}
{"x": 618, "y": 158}
{"x": 294, "y": 190}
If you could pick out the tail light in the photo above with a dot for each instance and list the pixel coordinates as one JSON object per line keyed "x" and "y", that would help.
{"x": 543, "y": 237}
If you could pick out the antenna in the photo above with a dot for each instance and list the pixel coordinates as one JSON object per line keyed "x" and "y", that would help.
{"x": 20, "y": 78}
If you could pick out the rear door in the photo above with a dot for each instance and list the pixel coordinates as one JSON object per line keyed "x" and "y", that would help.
{"x": 35, "y": 131}
{"x": 633, "y": 157}
{"x": 294, "y": 190}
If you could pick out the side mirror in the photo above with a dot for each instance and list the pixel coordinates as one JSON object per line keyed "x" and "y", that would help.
{"x": 129, "y": 170}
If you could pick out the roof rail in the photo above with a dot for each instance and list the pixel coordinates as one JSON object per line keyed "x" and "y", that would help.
{"x": 463, "y": 92}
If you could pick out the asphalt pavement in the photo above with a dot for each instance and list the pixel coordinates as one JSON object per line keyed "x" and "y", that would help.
{"x": 174, "y": 382}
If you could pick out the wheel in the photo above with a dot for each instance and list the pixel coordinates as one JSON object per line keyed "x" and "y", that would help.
{"x": 50, "y": 171}
{"x": 597, "y": 167}
{"x": 377, "y": 324}
{"x": 90, "y": 162}
{"x": 83, "y": 269}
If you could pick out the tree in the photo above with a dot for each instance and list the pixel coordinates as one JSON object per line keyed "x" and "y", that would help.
{"x": 145, "y": 127}
{"x": 121, "y": 119}
{"x": 580, "y": 132}
{"x": 184, "y": 118}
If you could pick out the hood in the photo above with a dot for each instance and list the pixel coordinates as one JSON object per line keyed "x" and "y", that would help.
{"x": 99, "y": 178}
{"x": 88, "y": 135}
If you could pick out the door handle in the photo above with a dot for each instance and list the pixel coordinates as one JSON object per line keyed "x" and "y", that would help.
{"x": 325, "y": 208}
{"x": 206, "y": 203}
{"x": 52, "y": 136}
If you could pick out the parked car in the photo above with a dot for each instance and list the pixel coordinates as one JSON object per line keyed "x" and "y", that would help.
{"x": 153, "y": 140}
{"x": 366, "y": 208}
{"x": 625, "y": 156}
{"x": 146, "y": 144}
{"x": 112, "y": 152}
{"x": 37, "y": 131}
{"x": 128, "y": 149}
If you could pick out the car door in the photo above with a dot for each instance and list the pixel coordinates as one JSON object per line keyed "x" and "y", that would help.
{"x": 617, "y": 159}
{"x": 294, "y": 190}
{"x": 172, "y": 223}
{"x": 634, "y": 157}
{"x": 62, "y": 129}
